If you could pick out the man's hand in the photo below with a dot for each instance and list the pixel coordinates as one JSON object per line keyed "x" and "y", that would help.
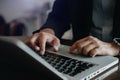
{"x": 38, "y": 41}
{"x": 91, "y": 46}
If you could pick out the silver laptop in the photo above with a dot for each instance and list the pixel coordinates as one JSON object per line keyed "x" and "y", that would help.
{"x": 57, "y": 65}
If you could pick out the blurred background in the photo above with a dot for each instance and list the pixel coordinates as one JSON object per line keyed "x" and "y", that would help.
{"x": 22, "y": 17}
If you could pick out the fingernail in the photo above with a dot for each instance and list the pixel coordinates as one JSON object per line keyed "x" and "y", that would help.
{"x": 37, "y": 48}
{"x": 42, "y": 52}
{"x": 92, "y": 55}
{"x": 56, "y": 48}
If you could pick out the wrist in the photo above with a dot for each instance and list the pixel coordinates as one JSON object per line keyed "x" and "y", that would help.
{"x": 48, "y": 30}
{"x": 116, "y": 41}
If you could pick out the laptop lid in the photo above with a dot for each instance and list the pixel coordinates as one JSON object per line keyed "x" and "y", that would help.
{"x": 17, "y": 52}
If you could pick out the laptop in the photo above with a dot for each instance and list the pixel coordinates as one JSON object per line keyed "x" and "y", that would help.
{"x": 53, "y": 65}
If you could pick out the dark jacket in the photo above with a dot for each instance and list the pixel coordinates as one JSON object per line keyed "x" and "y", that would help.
{"x": 78, "y": 15}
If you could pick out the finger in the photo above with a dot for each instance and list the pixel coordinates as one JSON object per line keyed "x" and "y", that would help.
{"x": 94, "y": 52}
{"x": 42, "y": 44}
{"x": 75, "y": 45}
{"x": 32, "y": 42}
{"x": 56, "y": 44}
{"x": 81, "y": 45}
{"x": 72, "y": 48}
{"x": 88, "y": 48}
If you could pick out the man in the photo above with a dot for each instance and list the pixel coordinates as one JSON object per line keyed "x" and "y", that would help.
{"x": 95, "y": 24}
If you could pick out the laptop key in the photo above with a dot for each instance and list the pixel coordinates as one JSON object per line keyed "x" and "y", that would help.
{"x": 67, "y": 71}
{"x": 66, "y": 65}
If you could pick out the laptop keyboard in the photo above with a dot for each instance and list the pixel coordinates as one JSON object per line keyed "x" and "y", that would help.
{"x": 66, "y": 65}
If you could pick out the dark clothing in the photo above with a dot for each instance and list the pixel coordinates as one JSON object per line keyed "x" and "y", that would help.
{"x": 78, "y": 15}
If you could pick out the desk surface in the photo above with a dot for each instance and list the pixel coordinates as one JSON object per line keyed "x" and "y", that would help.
{"x": 115, "y": 71}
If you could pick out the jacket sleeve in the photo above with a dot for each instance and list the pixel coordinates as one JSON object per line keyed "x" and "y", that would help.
{"x": 58, "y": 18}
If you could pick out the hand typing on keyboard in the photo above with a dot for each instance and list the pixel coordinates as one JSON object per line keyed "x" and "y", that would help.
{"x": 88, "y": 46}
{"x": 38, "y": 41}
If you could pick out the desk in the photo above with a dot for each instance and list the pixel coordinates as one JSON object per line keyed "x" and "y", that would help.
{"x": 114, "y": 75}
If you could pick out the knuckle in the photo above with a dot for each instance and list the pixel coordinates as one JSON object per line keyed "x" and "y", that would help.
{"x": 92, "y": 38}
{"x": 79, "y": 45}
{"x": 42, "y": 33}
{"x": 31, "y": 40}
{"x": 57, "y": 39}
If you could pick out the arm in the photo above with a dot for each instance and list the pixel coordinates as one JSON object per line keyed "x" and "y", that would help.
{"x": 46, "y": 34}
{"x": 56, "y": 24}
{"x": 58, "y": 19}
